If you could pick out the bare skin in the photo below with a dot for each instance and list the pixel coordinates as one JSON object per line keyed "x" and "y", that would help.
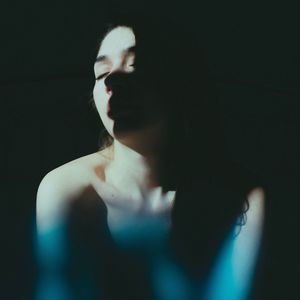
{"x": 110, "y": 184}
{"x": 125, "y": 175}
{"x": 62, "y": 185}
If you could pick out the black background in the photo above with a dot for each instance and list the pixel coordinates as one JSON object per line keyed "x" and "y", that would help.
{"x": 46, "y": 80}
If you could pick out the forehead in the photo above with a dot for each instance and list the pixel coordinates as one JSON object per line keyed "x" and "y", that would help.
{"x": 116, "y": 40}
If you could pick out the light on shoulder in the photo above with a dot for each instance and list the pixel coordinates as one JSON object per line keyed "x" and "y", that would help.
{"x": 56, "y": 190}
{"x": 247, "y": 243}
{"x": 64, "y": 184}
{"x": 256, "y": 199}
{"x": 254, "y": 216}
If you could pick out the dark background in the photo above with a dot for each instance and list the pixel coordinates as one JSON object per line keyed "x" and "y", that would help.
{"x": 46, "y": 80}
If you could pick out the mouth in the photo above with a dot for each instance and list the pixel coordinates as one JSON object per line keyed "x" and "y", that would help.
{"x": 119, "y": 111}
{"x": 119, "y": 114}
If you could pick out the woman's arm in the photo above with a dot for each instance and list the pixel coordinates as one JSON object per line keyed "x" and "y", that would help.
{"x": 52, "y": 238}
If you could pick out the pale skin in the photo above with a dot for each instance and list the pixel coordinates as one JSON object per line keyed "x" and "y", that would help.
{"x": 124, "y": 175}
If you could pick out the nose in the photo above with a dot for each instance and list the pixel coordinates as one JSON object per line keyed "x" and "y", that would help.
{"x": 123, "y": 87}
{"x": 118, "y": 82}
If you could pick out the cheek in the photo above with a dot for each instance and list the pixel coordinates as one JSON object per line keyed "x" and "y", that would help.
{"x": 100, "y": 98}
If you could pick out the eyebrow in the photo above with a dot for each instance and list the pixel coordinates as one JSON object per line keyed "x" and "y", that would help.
{"x": 101, "y": 58}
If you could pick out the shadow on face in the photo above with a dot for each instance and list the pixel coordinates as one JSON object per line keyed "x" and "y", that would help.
{"x": 157, "y": 73}
{"x": 166, "y": 78}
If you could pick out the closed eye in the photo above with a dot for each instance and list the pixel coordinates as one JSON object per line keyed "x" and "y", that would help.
{"x": 131, "y": 67}
{"x": 102, "y": 75}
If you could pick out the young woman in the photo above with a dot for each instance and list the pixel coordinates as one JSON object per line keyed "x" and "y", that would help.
{"x": 148, "y": 215}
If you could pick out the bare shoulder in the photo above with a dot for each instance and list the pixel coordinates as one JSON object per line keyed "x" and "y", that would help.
{"x": 256, "y": 199}
{"x": 64, "y": 184}
{"x": 247, "y": 243}
{"x": 72, "y": 176}
{"x": 255, "y": 214}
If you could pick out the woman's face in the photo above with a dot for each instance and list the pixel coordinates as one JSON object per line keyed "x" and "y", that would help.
{"x": 124, "y": 100}
{"x": 116, "y": 56}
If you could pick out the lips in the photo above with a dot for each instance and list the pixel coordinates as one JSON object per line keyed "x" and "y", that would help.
{"x": 118, "y": 111}
{"x": 118, "y": 108}
{"x": 119, "y": 114}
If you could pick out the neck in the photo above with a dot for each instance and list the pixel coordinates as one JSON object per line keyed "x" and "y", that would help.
{"x": 132, "y": 169}
{"x": 136, "y": 162}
